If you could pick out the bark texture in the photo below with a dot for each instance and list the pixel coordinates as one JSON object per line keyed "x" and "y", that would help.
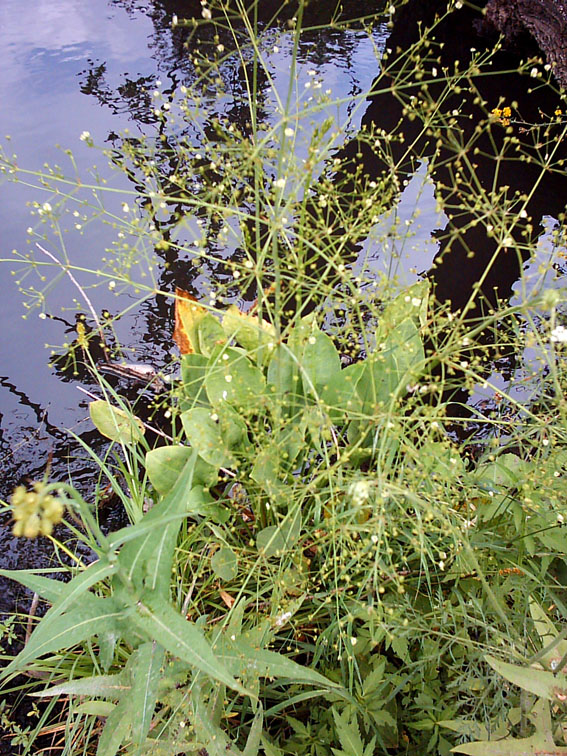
{"x": 544, "y": 20}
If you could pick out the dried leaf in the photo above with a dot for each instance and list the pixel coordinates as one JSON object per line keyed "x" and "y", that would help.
{"x": 187, "y": 315}
{"x": 227, "y": 598}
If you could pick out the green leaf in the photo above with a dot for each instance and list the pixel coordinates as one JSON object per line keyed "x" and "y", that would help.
{"x": 116, "y": 728}
{"x": 82, "y": 622}
{"x": 164, "y": 466}
{"x": 48, "y": 589}
{"x": 212, "y": 436}
{"x": 146, "y": 560}
{"x": 253, "y": 741}
{"x": 209, "y": 335}
{"x": 106, "y": 645}
{"x": 541, "y": 742}
{"x": 193, "y": 372}
{"x": 319, "y": 362}
{"x": 411, "y": 302}
{"x": 100, "y": 686}
{"x": 214, "y": 740}
{"x": 543, "y": 684}
{"x": 74, "y": 592}
{"x": 181, "y": 638}
{"x": 378, "y": 381}
{"x": 340, "y": 394}
{"x": 225, "y": 563}
{"x": 548, "y": 634}
{"x": 115, "y": 424}
{"x": 266, "y": 471}
{"x": 276, "y": 539}
{"x": 232, "y": 378}
{"x": 243, "y": 659}
{"x": 254, "y": 335}
{"x": 145, "y": 679}
{"x": 507, "y": 471}
{"x": 406, "y": 343}
{"x": 95, "y": 708}
{"x": 283, "y": 374}
{"x": 348, "y": 734}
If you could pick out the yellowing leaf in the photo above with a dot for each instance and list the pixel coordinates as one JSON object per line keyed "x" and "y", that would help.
{"x": 196, "y": 330}
{"x": 188, "y": 314}
{"x": 115, "y": 424}
{"x": 248, "y": 330}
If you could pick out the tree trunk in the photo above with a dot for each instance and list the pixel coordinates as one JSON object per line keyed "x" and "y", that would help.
{"x": 544, "y": 20}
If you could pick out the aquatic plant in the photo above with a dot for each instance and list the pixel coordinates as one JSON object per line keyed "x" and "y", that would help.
{"x": 332, "y": 552}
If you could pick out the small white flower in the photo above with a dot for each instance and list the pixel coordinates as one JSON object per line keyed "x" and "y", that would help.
{"x": 42, "y": 316}
{"x": 85, "y": 135}
{"x": 174, "y": 20}
{"x": 206, "y": 13}
{"x": 220, "y": 48}
{"x": 228, "y": 378}
{"x": 534, "y": 73}
{"x": 111, "y": 285}
{"x": 559, "y": 334}
{"x": 416, "y": 301}
{"x": 289, "y": 132}
{"x": 214, "y": 417}
{"x": 360, "y": 491}
{"x": 125, "y": 207}
{"x": 279, "y": 183}
{"x": 282, "y": 619}
{"x": 276, "y": 49}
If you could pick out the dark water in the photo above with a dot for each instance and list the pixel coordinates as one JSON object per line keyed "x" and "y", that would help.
{"x": 76, "y": 65}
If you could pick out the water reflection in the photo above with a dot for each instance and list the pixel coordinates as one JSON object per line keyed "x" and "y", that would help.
{"x": 70, "y": 67}
{"x": 97, "y": 67}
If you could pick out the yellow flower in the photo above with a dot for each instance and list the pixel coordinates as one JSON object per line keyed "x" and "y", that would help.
{"x": 558, "y": 112}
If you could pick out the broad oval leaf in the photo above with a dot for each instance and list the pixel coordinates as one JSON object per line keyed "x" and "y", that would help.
{"x": 213, "y": 435}
{"x": 115, "y": 424}
{"x": 232, "y": 378}
{"x": 225, "y": 563}
{"x": 275, "y": 539}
